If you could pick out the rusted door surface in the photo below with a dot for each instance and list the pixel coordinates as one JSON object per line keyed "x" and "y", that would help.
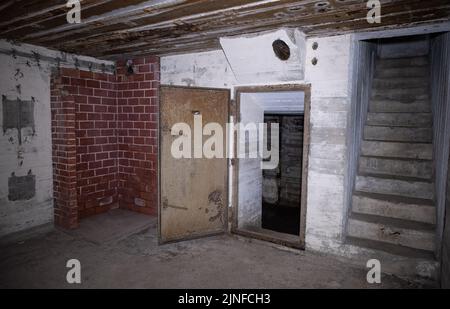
{"x": 193, "y": 191}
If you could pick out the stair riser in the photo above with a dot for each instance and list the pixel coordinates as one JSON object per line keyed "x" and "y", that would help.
{"x": 386, "y": 106}
{"x": 418, "y": 135}
{"x": 416, "y": 120}
{"x": 409, "y": 238}
{"x": 418, "y": 169}
{"x": 402, "y": 83}
{"x": 414, "y": 189}
{"x": 411, "y": 212}
{"x": 400, "y": 94}
{"x": 397, "y": 150}
{"x": 402, "y": 72}
{"x": 402, "y": 63}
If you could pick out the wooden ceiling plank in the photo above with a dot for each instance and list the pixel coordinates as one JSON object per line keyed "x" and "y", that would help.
{"x": 178, "y": 12}
{"x": 21, "y": 27}
{"x": 390, "y": 21}
{"x": 96, "y": 13}
{"x": 26, "y": 9}
{"x": 227, "y": 25}
{"x": 213, "y": 16}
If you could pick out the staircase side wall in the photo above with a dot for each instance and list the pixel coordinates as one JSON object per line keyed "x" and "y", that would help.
{"x": 440, "y": 95}
{"x": 363, "y": 68}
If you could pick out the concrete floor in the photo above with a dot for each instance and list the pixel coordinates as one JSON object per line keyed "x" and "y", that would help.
{"x": 116, "y": 253}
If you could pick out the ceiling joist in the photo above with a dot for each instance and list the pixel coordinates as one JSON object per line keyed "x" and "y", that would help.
{"x": 111, "y": 28}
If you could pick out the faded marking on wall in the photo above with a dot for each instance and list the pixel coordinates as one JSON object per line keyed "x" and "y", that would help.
{"x": 18, "y": 115}
{"x": 22, "y": 188}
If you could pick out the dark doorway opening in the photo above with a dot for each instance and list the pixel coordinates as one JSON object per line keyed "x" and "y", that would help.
{"x": 281, "y": 202}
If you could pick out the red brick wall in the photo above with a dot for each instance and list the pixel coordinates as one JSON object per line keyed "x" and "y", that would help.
{"x": 105, "y": 141}
{"x": 95, "y": 128}
{"x": 137, "y": 134}
{"x": 64, "y": 154}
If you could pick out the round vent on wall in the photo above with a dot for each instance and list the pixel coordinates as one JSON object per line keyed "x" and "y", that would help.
{"x": 281, "y": 50}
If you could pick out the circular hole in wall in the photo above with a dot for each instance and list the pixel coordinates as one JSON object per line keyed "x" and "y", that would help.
{"x": 281, "y": 50}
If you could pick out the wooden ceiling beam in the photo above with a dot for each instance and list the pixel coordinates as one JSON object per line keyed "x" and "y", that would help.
{"x": 114, "y": 27}
{"x": 239, "y": 25}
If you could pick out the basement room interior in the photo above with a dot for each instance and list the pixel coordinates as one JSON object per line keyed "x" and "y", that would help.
{"x": 239, "y": 144}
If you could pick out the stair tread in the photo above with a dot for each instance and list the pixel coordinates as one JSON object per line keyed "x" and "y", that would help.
{"x": 396, "y": 158}
{"x": 402, "y": 57}
{"x": 390, "y": 248}
{"x": 398, "y": 142}
{"x": 398, "y": 127}
{"x": 406, "y": 120}
{"x": 395, "y": 177}
{"x": 367, "y": 139}
{"x": 397, "y": 199}
{"x": 394, "y": 222}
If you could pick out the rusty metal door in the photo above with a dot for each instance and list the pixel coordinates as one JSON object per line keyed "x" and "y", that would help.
{"x": 193, "y": 197}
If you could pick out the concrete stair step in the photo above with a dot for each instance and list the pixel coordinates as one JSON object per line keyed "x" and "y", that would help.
{"x": 398, "y": 134}
{"x": 395, "y": 106}
{"x": 395, "y": 185}
{"x": 396, "y": 166}
{"x": 403, "y": 262}
{"x": 398, "y": 207}
{"x": 402, "y": 72}
{"x": 402, "y": 95}
{"x": 402, "y": 233}
{"x": 391, "y": 249}
{"x": 423, "y": 151}
{"x": 414, "y": 120}
{"x": 402, "y": 62}
{"x": 401, "y": 82}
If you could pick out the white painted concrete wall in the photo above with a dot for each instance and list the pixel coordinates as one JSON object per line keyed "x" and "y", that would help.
{"x": 207, "y": 69}
{"x": 36, "y": 150}
{"x": 250, "y": 173}
{"x": 330, "y": 105}
{"x": 253, "y": 60}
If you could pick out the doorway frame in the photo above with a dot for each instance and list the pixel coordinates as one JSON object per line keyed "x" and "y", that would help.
{"x": 274, "y": 237}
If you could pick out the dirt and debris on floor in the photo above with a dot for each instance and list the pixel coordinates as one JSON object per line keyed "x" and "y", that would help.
{"x": 133, "y": 259}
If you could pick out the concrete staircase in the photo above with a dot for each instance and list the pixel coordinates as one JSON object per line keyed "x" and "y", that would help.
{"x": 393, "y": 199}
